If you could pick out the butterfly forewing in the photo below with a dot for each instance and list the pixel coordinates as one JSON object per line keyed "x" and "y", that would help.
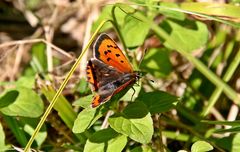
{"x": 106, "y": 50}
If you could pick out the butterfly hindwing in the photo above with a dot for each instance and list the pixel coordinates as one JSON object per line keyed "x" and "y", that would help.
{"x": 106, "y": 50}
{"x": 91, "y": 76}
{"x": 103, "y": 73}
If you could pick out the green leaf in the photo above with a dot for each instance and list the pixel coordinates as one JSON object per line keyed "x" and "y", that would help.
{"x": 40, "y": 137}
{"x": 8, "y": 97}
{"x": 3, "y": 146}
{"x": 136, "y": 31}
{"x": 106, "y": 14}
{"x": 138, "y": 129}
{"x": 29, "y": 125}
{"x": 158, "y": 101}
{"x": 16, "y": 128}
{"x": 135, "y": 110}
{"x": 86, "y": 119}
{"x": 188, "y": 35}
{"x": 39, "y": 58}
{"x": 201, "y": 146}
{"x": 106, "y": 140}
{"x": 82, "y": 86}
{"x": 236, "y": 143}
{"x": 229, "y": 123}
{"x": 27, "y": 104}
{"x": 84, "y": 102}
{"x": 144, "y": 148}
{"x": 157, "y": 63}
{"x": 132, "y": 93}
{"x": 170, "y": 13}
{"x": 231, "y": 130}
{"x": 62, "y": 106}
{"x": 26, "y": 81}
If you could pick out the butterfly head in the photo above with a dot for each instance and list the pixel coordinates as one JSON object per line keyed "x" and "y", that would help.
{"x": 139, "y": 74}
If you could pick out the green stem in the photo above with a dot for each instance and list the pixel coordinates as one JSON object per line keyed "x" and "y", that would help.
{"x": 217, "y": 92}
{"x": 52, "y": 103}
{"x": 115, "y": 25}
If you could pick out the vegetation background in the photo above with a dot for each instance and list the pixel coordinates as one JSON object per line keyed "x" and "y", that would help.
{"x": 190, "y": 49}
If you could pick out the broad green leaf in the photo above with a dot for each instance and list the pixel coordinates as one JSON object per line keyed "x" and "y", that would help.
{"x": 84, "y": 102}
{"x": 135, "y": 110}
{"x": 8, "y": 97}
{"x": 144, "y": 148}
{"x": 134, "y": 31}
{"x": 40, "y": 137}
{"x": 225, "y": 143}
{"x": 29, "y": 125}
{"x": 3, "y": 146}
{"x": 138, "y": 129}
{"x": 187, "y": 35}
{"x": 201, "y": 146}
{"x": 236, "y": 143}
{"x": 86, "y": 119}
{"x": 170, "y": 13}
{"x": 26, "y": 81}
{"x": 157, "y": 62}
{"x": 106, "y": 140}
{"x": 106, "y": 14}
{"x": 132, "y": 93}
{"x": 27, "y": 104}
{"x": 158, "y": 101}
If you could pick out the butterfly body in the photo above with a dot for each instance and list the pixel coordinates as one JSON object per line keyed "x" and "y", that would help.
{"x": 109, "y": 72}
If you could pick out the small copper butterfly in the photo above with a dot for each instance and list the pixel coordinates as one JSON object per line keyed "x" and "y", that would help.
{"x": 109, "y": 71}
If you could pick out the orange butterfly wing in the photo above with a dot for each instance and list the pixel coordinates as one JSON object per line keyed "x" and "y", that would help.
{"x": 109, "y": 72}
{"x": 91, "y": 76}
{"x": 106, "y": 50}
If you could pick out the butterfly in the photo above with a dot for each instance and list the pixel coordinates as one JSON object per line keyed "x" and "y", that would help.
{"x": 109, "y": 71}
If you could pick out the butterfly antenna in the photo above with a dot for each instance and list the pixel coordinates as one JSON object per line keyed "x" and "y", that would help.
{"x": 144, "y": 52}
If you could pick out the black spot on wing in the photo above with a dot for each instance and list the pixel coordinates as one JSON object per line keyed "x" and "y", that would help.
{"x": 105, "y": 52}
{"x": 109, "y": 46}
{"x": 122, "y": 61}
{"x": 98, "y": 42}
{"x": 117, "y": 55}
{"x": 109, "y": 51}
{"x": 108, "y": 59}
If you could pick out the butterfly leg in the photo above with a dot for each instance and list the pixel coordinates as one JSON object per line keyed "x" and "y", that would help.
{"x": 133, "y": 93}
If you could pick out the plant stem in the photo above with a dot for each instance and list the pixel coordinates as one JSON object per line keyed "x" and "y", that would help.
{"x": 52, "y": 103}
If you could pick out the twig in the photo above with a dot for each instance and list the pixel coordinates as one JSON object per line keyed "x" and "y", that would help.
{"x": 105, "y": 122}
{"x": 19, "y": 42}
{"x": 17, "y": 60}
